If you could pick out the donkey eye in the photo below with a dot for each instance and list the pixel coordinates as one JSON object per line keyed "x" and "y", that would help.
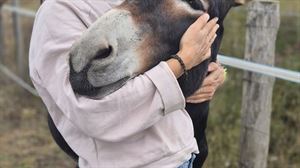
{"x": 189, "y": 1}
{"x": 195, "y": 4}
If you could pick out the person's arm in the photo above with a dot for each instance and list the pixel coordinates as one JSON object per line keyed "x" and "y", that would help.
{"x": 138, "y": 105}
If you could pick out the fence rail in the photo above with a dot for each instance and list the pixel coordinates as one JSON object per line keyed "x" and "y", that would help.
{"x": 20, "y": 11}
{"x": 18, "y": 80}
{"x": 285, "y": 74}
{"x": 276, "y": 72}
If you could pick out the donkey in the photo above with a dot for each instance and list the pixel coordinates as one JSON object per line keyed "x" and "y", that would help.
{"x": 134, "y": 37}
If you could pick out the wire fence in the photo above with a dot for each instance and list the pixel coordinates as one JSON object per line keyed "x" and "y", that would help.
{"x": 280, "y": 73}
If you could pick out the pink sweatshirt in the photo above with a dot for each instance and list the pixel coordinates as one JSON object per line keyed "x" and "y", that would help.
{"x": 143, "y": 124}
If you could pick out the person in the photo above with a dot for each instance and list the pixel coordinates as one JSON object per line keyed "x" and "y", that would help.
{"x": 144, "y": 123}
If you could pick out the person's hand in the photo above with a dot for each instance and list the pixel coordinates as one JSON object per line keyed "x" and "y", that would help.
{"x": 210, "y": 84}
{"x": 196, "y": 42}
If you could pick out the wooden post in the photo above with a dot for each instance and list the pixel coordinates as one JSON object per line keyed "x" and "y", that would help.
{"x": 262, "y": 26}
{"x": 1, "y": 35}
{"x": 19, "y": 41}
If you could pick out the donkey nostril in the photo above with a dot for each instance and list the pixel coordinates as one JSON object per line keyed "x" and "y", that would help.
{"x": 103, "y": 53}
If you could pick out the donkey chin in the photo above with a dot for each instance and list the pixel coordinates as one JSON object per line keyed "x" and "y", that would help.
{"x": 132, "y": 38}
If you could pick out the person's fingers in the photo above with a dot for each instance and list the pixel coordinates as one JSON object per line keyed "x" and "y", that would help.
{"x": 208, "y": 53}
{"x": 208, "y": 89}
{"x": 221, "y": 73}
{"x": 203, "y": 92}
{"x": 201, "y": 21}
{"x": 208, "y": 81}
{"x": 214, "y": 77}
{"x": 198, "y": 101}
{"x": 212, "y": 66}
{"x": 221, "y": 79}
{"x": 208, "y": 28}
{"x": 212, "y": 40}
{"x": 212, "y": 34}
{"x": 200, "y": 97}
{"x": 205, "y": 89}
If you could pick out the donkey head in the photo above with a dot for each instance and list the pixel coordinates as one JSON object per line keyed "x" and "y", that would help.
{"x": 133, "y": 37}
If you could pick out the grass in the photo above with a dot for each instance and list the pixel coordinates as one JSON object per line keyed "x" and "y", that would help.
{"x": 26, "y": 142}
{"x": 24, "y": 137}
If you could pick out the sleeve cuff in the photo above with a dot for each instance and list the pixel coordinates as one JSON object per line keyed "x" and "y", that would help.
{"x": 167, "y": 86}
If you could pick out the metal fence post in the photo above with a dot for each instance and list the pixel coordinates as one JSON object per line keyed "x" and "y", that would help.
{"x": 262, "y": 26}
{"x": 19, "y": 41}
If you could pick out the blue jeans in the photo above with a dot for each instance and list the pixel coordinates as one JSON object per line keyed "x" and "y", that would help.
{"x": 189, "y": 163}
